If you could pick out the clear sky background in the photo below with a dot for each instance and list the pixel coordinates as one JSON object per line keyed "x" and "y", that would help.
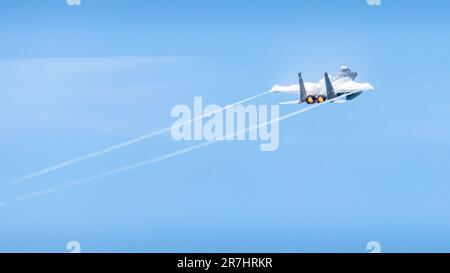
{"x": 77, "y": 79}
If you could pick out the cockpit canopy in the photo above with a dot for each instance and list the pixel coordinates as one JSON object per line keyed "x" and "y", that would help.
{"x": 345, "y": 71}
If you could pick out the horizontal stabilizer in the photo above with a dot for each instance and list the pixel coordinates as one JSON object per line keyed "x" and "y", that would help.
{"x": 339, "y": 101}
{"x": 289, "y": 102}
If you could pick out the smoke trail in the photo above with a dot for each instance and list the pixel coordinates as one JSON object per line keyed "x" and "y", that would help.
{"x": 124, "y": 144}
{"x": 162, "y": 158}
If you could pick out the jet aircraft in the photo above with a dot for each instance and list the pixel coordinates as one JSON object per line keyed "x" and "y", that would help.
{"x": 342, "y": 85}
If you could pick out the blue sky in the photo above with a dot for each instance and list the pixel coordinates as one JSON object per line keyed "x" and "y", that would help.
{"x": 77, "y": 79}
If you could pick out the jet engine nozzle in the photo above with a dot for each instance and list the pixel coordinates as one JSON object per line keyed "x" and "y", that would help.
{"x": 321, "y": 99}
{"x": 310, "y": 100}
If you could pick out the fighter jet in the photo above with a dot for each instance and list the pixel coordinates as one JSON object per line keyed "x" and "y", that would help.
{"x": 342, "y": 85}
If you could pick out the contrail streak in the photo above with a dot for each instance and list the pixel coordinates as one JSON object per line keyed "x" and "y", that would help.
{"x": 125, "y": 144}
{"x": 160, "y": 158}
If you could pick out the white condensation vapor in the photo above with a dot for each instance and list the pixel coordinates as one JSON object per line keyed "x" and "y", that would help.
{"x": 122, "y": 145}
{"x": 160, "y": 158}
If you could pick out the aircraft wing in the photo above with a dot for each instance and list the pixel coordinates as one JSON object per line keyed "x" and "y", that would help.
{"x": 354, "y": 87}
{"x": 293, "y": 89}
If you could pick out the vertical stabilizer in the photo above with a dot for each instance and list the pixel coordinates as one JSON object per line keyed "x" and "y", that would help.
{"x": 302, "y": 88}
{"x": 331, "y": 94}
